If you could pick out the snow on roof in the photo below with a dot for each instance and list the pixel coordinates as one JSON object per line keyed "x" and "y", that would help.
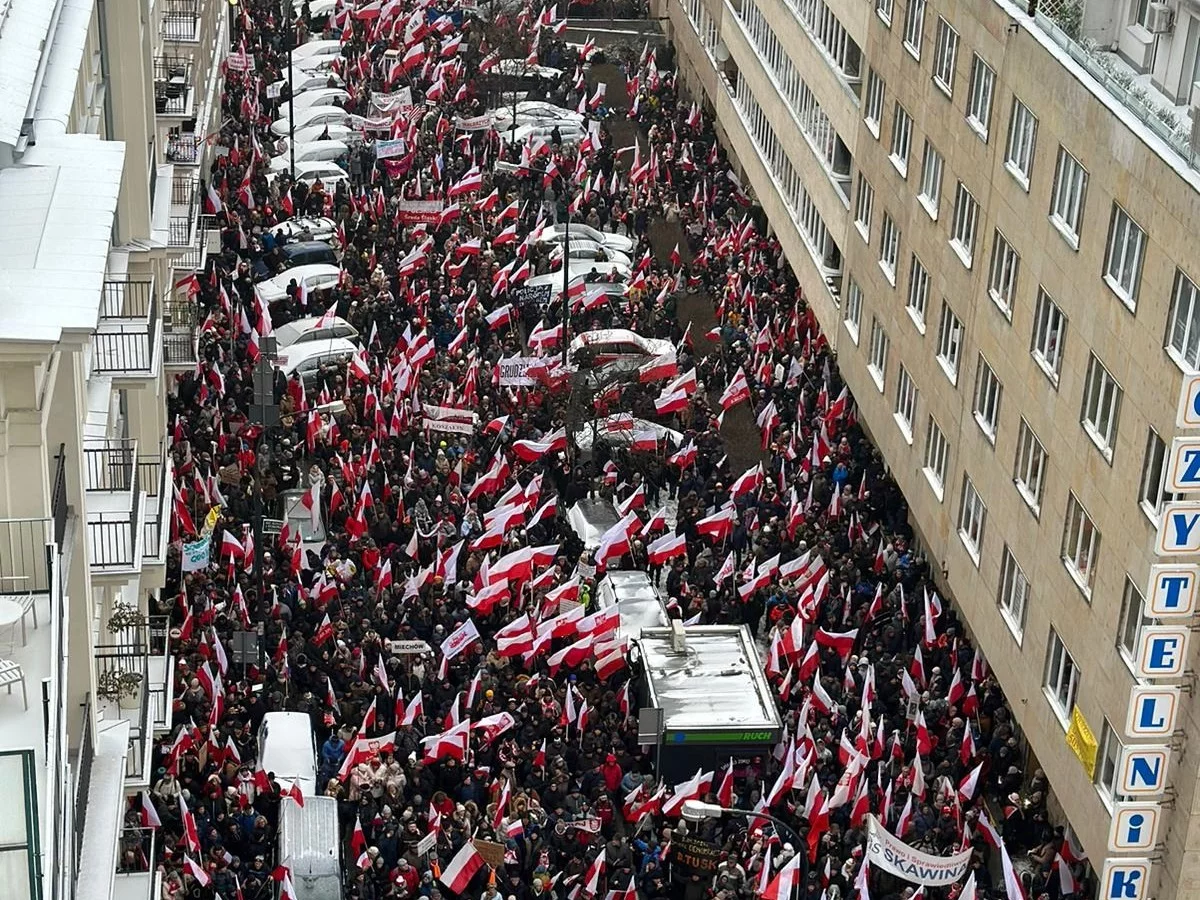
{"x": 58, "y": 206}
{"x": 23, "y": 31}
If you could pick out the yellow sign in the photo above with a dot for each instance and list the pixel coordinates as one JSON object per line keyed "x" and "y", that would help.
{"x": 1082, "y": 742}
{"x": 210, "y": 521}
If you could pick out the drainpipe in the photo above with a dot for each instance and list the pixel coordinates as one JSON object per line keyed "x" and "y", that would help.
{"x": 28, "y": 133}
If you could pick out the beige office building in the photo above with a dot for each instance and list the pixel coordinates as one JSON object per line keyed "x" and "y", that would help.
{"x": 105, "y": 107}
{"x": 996, "y": 217}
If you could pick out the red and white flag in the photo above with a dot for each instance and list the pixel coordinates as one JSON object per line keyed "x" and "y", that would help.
{"x": 458, "y": 874}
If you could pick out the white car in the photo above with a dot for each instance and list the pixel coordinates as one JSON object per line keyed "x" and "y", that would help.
{"x": 310, "y": 151}
{"x": 329, "y": 174}
{"x": 317, "y": 277}
{"x": 344, "y": 133}
{"x": 303, "y": 331}
{"x": 569, "y": 132}
{"x": 556, "y": 234}
{"x": 619, "y": 429}
{"x": 613, "y": 344}
{"x": 301, "y": 80}
{"x": 592, "y": 251}
{"x": 322, "y": 96}
{"x": 307, "y": 228}
{"x": 315, "y": 7}
{"x": 306, "y": 358}
{"x": 519, "y": 68}
{"x": 310, "y": 49}
{"x": 532, "y": 112}
{"x": 314, "y": 115}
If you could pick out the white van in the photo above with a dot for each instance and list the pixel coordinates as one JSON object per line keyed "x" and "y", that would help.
{"x": 310, "y": 846}
{"x": 287, "y": 747}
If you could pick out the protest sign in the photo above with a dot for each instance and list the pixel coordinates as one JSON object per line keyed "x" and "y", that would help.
{"x": 891, "y": 854}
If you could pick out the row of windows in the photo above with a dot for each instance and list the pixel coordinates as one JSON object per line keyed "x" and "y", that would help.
{"x": 814, "y": 123}
{"x": 827, "y": 33}
{"x": 1126, "y": 240}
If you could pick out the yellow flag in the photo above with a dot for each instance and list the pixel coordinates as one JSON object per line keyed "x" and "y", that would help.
{"x": 210, "y": 521}
{"x": 1082, "y": 742}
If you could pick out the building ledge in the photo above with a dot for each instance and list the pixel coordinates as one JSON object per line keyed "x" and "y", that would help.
{"x": 106, "y": 811}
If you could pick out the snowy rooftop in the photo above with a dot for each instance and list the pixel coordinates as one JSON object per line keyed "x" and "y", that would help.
{"x": 24, "y": 26}
{"x": 717, "y": 683}
{"x": 58, "y": 206}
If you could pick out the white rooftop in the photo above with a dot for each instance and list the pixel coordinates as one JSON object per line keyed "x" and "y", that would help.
{"x": 56, "y": 217}
{"x": 717, "y": 683}
{"x": 23, "y": 30}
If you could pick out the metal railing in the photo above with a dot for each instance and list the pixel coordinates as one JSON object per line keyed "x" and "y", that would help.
{"x": 183, "y": 148}
{"x": 153, "y": 474}
{"x": 193, "y": 257}
{"x": 114, "y": 536}
{"x": 172, "y": 85}
{"x": 135, "y": 856}
{"x": 23, "y": 554}
{"x": 181, "y": 20}
{"x": 108, "y": 465}
{"x": 58, "y": 497}
{"x": 180, "y": 319}
{"x": 83, "y": 776}
{"x": 130, "y": 652}
{"x": 185, "y": 204}
{"x": 128, "y": 335}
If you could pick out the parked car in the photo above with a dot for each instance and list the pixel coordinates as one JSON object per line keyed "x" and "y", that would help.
{"x": 307, "y": 228}
{"x": 306, "y": 359}
{"x": 329, "y": 174}
{"x": 310, "y": 49}
{"x": 530, "y": 111}
{"x": 317, "y": 277}
{"x": 556, "y": 234}
{"x": 612, "y": 344}
{"x": 321, "y": 96}
{"x": 300, "y": 80}
{"x": 295, "y": 255}
{"x": 303, "y": 331}
{"x": 568, "y": 132}
{"x": 310, "y": 845}
{"x": 310, "y": 151}
{"x": 314, "y": 115}
{"x": 327, "y": 132}
{"x": 638, "y": 602}
{"x": 592, "y": 251}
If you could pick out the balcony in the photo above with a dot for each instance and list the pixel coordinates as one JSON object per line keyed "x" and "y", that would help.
{"x": 185, "y": 206}
{"x": 180, "y": 21}
{"x": 115, "y": 506}
{"x": 126, "y": 342}
{"x": 136, "y": 654}
{"x": 173, "y": 86}
{"x": 137, "y": 878}
{"x": 155, "y": 473}
{"x": 179, "y": 332}
{"x": 183, "y": 148}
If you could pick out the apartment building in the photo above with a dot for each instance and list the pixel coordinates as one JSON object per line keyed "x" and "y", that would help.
{"x": 102, "y": 124}
{"x": 994, "y": 212}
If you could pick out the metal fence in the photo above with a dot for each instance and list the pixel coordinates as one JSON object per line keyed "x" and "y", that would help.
{"x": 108, "y": 465}
{"x": 183, "y": 148}
{"x": 23, "y": 554}
{"x": 185, "y": 204}
{"x": 128, "y": 346}
{"x": 172, "y": 85}
{"x": 181, "y": 20}
{"x": 129, "y": 652}
{"x": 152, "y": 472}
{"x": 83, "y": 776}
{"x": 113, "y": 537}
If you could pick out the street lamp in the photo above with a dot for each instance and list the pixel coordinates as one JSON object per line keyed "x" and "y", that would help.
{"x": 698, "y": 811}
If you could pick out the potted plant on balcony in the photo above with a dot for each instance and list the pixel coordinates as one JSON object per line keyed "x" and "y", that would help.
{"x": 125, "y": 616}
{"x": 120, "y": 685}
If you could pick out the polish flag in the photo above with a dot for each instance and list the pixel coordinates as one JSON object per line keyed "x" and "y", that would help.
{"x": 736, "y": 391}
{"x": 295, "y": 793}
{"x": 462, "y": 868}
{"x": 416, "y": 707}
{"x": 719, "y": 525}
{"x": 967, "y": 787}
{"x": 191, "y": 837}
{"x": 196, "y": 871}
{"x": 667, "y": 547}
{"x": 783, "y": 886}
{"x": 149, "y": 815}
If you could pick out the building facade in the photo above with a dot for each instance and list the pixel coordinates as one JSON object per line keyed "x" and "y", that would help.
{"x": 103, "y": 121}
{"x": 994, "y": 214}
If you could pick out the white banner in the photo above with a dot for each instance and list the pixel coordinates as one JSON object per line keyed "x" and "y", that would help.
{"x": 461, "y": 638}
{"x": 195, "y": 555}
{"x": 388, "y": 149}
{"x": 449, "y": 412}
{"x": 448, "y": 425}
{"x": 893, "y": 855}
{"x": 389, "y": 102}
{"x": 475, "y": 123}
{"x": 512, "y": 371}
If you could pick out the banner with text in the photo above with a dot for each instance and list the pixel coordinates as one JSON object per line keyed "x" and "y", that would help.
{"x": 410, "y": 212}
{"x": 893, "y": 855}
{"x": 195, "y": 555}
{"x": 512, "y": 371}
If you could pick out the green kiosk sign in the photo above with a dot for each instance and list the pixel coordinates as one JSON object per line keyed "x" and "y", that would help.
{"x": 720, "y": 737}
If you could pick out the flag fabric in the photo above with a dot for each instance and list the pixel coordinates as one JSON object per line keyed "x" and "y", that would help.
{"x": 462, "y": 868}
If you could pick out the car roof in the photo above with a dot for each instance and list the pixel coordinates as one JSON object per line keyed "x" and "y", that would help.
{"x": 304, "y": 247}
{"x": 306, "y": 350}
{"x": 286, "y": 335}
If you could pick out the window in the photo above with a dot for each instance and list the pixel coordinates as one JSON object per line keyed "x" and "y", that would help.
{"x": 884, "y": 10}
{"x": 1126, "y": 245}
{"x": 864, "y": 202}
{"x": 1062, "y": 678}
{"x": 1066, "y": 203}
{"x": 1133, "y": 619}
{"x": 972, "y": 516}
{"x": 950, "y": 334}
{"x": 1107, "y": 759}
{"x": 962, "y": 229}
{"x": 901, "y": 140}
{"x": 1030, "y": 468}
{"x": 987, "y": 399}
{"x": 1153, "y": 493}
{"x": 1002, "y": 278}
{"x": 854, "y": 300}
{"x": 879, "y": 351}
{"x": 1183, "y": 326}
{"x": 1022, "y": 138}
{"x": 889, "y": 248}
{"x": 937, "y": 454}
{"x": 979, "y": 99}
{"x": 1081, "y": 543}
{"x": 945, "y": 57}
{"x": 1013, "y": 596}
{"x": 931, "y": 180}
{"x": 1141, "y": 12}
{"x": 918, "y": 292}
{"x": 874, "y": 108}
{"x": 914, "y": 25}
{"x": 906, "y": 404}
{"x": 1101, "y": 407}
{"x": 1049, "y": 335}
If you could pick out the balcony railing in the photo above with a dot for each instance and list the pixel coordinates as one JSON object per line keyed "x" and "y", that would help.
{"x": 181, "y": 20}
{"x": 173, "y": 85}
{"x": 139, "y": 650}
{"x": 127, "y": 339}
{"x": 179, "y": 331}
{"x": 108, "y": 465}
{"x": 83, "y": 776}
{"x": 183, "y": 148}
{"x": 115, "y": 536}
{"x": 137, "y": 874}
{"x": 206, "y": 235}
{"x": 154, "y": 473}
{"x": 58, "y": 497}
{"x": 185, "y": 204}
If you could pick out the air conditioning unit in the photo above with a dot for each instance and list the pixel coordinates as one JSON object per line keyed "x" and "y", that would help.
{"x": 1160, "y": 18}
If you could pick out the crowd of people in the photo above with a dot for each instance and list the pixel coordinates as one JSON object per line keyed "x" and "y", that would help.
{"x": 519, "y": 726}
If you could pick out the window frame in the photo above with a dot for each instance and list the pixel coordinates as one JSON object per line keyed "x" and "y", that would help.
{"x": 914, "y": 27}
{"x": 889, "y": 246}
{"x": 1098, "y": 382}
{"x": 917, "y": 299}
{"x": 951, "y": 334}
{"x": 1076, "y": 527}
{"x": 1068, "y": 165}
{"x": 907, "y": 397}
{"x": 1108, "y": 758}
{"x": 1130, "y": 623}
{"x": 987, "y": 397}
{"x": 1021, "y": 143}
{"x": 964, "y": 224}
{"x": 945, "y": 57}
{"x": 864, "y": 207}
{"x": 1007, "y": 592}
{"x": 1060, "y": 695}
{"x": 901, "y": 144}
{"x": 1049, "y": 321}
{"x": 1154, "y": 457}
{"x": 854, "y": 305}
{"x": 937, "y": 457}
{"x": 1029, "y": 467}
{"x": 885, "y": 9}
{"x": 933, "y": 165}
{"x": 1191, "y": 332}
{"x": 877, "y": 359}
{"x": 873, "y": 106}
{"x": 972, "y": 519}
{"x": 982, "y": 89}
{"x": 1003, "y": 274}
{"x": 1132, "y": 237}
